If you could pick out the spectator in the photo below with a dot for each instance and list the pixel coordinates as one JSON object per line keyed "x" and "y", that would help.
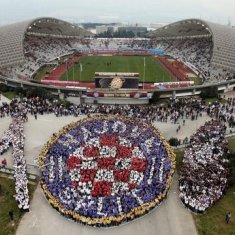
{"x": 4, "y": 163}
{"x": 228, "y": 217}
{"x": 11, "y": 215}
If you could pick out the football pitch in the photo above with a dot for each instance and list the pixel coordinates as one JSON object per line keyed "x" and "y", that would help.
{"x": 154, "y": 72}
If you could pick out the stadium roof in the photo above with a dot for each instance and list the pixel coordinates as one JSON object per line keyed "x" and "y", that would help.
{"x": 12, "y": 36}
{"x": 223, "y": 38}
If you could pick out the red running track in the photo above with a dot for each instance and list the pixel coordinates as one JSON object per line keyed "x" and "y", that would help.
{"x": 60, "y": 70}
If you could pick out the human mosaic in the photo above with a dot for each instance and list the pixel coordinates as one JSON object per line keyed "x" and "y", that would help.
{"x": 105, "y": 170}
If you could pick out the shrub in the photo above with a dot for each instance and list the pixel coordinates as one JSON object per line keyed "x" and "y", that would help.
{"x": 155, "y": 97}
{"x": 40, "y": 92}
{"x": 209, "y": 92}
{"x": 3, "y": 88}
{"x": 174, "y": 141}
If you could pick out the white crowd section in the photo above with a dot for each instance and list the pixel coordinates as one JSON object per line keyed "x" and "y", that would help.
{"x": 43, "y": 50}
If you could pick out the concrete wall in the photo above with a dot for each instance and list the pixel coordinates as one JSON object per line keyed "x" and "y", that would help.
{"x": 115, "y": 100}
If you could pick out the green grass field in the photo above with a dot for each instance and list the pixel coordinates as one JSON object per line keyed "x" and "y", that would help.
{"x": 8, "y": 202}
{"x": 132, "y": 64}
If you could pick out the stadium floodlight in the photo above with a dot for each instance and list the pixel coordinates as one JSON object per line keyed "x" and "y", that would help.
{"x": 144, "y": 73}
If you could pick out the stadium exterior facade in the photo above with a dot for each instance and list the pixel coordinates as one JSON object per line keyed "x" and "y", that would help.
{"x": 223, "y": 38}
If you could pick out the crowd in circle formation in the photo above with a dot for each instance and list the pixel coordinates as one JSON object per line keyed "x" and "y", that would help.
{"x": 106, "y": 170}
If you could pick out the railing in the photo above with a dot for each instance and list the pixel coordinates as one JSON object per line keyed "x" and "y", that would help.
{"x": 15, "y": 83}
{"x": 11, "y": 171}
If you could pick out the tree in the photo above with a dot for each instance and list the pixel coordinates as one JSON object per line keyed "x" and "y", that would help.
{"x": 117, "y": 34}
{"x": 174, "y": 142}
{"x": 38, "y": 91}
{"x": 209, "y": 92}
{"x": 155, "y": 97}
{"x": 3, "y": 88}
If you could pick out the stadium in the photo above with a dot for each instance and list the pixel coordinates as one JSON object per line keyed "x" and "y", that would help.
{"x": 136, "y": 134}
{"x": 183, "y": 54}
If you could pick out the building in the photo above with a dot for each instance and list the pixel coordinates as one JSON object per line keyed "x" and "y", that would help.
{"x": 104, "y": 28}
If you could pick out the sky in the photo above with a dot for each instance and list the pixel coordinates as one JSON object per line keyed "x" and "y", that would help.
{"x": 132, "y": 11}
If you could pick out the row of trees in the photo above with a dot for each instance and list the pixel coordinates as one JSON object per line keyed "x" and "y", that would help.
{"x": 29, "y": 92}
{"x": 118, "y": 34}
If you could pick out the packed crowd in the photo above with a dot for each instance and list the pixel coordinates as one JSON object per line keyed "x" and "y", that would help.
{"x": 43, "y": 50}
{"x": 89, "y": 45}
{"x": 14, "y": 136}
{"x": 204, "y": 173}
{"x": 105, "y": 170}
{"x": 38, "y": 52}
{"x": 177, "y": 110}
{"x": 195, "y": 53}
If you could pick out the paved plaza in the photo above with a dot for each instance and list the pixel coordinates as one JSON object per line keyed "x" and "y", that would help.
{"x": 170, "y": 218}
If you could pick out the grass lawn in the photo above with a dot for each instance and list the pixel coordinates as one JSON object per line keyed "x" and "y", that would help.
{"x": 42, "y": 72}
{"x": 8, "y": 203}
{"x": 179, "y": 158}
{"x": 154, "y": 72}
{"x": 9, "y": 94}
{"x": 197, "y": 80}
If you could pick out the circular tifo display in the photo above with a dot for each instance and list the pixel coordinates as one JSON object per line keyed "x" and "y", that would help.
{"x": 105, "y": 170}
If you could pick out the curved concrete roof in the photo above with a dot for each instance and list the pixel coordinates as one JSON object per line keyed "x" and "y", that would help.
{"x": 12, "y": 36}
{"x": 223, "y": 38}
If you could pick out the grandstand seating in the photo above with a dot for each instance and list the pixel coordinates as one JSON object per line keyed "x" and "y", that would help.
{"x": 44, "y": 50}
{"x": 197, "y": 52}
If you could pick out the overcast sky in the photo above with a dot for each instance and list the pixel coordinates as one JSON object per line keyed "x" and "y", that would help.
{"x": 128, "y": 11}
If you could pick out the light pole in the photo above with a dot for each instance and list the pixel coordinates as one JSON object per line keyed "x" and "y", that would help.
{"x": 80, "y": 71}
{"x": 144, "y": 74}
{"x": 67, "y": 68}
{"x": 73, "y": 71}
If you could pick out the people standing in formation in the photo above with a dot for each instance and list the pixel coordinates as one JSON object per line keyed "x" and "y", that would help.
{"x": 14, "y": 136}
{"x": 177, "y": 111}
{"x": 204, "y": 172}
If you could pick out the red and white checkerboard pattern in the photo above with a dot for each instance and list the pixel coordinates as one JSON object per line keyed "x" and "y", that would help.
{"x": 116, "y": 174}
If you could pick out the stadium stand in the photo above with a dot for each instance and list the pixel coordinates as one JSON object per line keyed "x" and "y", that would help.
{"x": 200, "y": 45}
{"x": 12, "y": 36}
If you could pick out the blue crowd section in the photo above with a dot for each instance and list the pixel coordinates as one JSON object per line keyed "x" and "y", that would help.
{"x": 156, "y": 51}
